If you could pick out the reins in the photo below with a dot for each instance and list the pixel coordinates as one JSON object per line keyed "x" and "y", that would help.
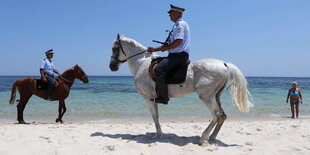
{"x": 145, "y": 51}
{"x": 65, "y": 79}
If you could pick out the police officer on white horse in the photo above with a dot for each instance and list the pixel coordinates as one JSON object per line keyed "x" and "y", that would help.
{"x": 177, "y": 44}
{"x": 47, "y": 70}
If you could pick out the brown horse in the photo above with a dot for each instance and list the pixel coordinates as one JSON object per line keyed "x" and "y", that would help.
{"x": 27, "y": 87}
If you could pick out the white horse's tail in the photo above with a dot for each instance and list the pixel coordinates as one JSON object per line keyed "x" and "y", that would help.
{"x": 238, "y": 88}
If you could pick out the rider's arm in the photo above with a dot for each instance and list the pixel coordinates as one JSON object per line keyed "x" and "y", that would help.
{"x": 174, "y": 45}
{"x": 42, "y": 75}
{"x": 56, "y": 71}
{"x": 42, "y": 70}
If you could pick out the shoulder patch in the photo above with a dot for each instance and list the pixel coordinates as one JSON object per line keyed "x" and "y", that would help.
{"x": 179, "y": 30}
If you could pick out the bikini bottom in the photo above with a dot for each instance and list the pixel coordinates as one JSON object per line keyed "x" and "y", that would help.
{"x": 294, "y": 101}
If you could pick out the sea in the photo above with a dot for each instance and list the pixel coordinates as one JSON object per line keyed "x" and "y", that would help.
{"x": 116, "y": 98}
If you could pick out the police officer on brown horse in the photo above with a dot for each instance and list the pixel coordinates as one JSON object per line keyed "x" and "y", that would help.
{"x": 177, "y": 44}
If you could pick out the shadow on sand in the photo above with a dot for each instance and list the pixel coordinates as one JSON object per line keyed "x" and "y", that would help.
{"x": 165, "y": 138}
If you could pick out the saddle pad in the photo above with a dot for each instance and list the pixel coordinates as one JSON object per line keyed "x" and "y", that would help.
{"x": 177, "y": 75}
{"x": 41, "y": 85}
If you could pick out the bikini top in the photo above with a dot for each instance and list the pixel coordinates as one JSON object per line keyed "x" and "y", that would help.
{"x": 294, "y": 93}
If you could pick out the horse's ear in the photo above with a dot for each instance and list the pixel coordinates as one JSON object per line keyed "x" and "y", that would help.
{"x": 118, "y": 37}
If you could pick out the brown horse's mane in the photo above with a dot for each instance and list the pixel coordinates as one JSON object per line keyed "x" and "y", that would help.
{"x": 67, "y": 72}
{"x": 69, "y": 69}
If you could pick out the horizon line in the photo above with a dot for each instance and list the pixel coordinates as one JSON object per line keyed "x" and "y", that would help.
{"x": 132, "y": 76}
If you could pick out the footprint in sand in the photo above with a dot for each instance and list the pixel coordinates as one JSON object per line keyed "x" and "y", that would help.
{"x": 42, "y": 137}
{"x": 294, "y": 126}
{"x": 249, "y": 143}
{"x": 110, "y": 148}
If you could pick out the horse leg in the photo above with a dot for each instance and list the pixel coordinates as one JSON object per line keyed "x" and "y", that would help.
{"x": 61, "y": 111}
{"x": 154, "y": 112}
{"x": 221, "y": 120}
{"x": 212, "y": 105}
{"x": 20, "y": 109}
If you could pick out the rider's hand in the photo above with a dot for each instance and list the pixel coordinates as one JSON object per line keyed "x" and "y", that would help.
{"x": 44, "y": 79}
{"x": 151, "y": 49}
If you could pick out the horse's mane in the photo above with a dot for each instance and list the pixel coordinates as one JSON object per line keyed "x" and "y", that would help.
{"x": 137, "y": 45}
{"x": 71, "y": 68}
{"x": 133, "y": 43}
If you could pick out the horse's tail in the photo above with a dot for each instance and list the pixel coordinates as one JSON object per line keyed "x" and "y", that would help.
{"x": 238, "y": 88}
{"x": 13, "y": 94}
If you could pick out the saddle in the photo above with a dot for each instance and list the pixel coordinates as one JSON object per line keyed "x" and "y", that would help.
{"x": 176, "y": 75}
{"x": 43, "y": 85}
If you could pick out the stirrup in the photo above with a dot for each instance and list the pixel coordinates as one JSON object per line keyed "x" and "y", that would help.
{"x": 160, "y": 100}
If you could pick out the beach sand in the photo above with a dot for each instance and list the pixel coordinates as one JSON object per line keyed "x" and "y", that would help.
{"x": 279, "y": 136}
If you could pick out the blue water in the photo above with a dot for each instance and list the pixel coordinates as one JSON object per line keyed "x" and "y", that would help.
{"x": 115, "y": 97}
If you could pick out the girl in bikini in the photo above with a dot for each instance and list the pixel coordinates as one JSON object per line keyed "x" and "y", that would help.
{"x": 294, "y": 94}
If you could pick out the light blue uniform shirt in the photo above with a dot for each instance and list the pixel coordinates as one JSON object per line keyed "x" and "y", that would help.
{"x": 48, "y": 67}
{"x": 180, "y": 31}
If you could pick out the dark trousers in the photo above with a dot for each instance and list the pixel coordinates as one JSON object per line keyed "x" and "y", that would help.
{"x": 162, "y": 70}
{"x": 170, "y": 62}
{"x": 51, "y": 83}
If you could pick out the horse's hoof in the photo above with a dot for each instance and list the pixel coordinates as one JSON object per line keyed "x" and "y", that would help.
{"x": 22, "y": 122}
{"x": 157, "y": 135}
{"x": 59, "y": 120}
{"x": 203, "y": 142}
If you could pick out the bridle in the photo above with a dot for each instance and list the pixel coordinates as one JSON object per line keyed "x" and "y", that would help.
{"x": 120, "y": 48}
{"x": 84, "y": 77}
{"x": 79, "y": 73}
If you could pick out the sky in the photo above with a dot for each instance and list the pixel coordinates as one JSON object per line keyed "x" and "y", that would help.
{"x": 262, "y": 37}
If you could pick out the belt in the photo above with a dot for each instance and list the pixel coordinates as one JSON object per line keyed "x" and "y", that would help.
{"x": 179, "y": 52}
{"x": 49, "y": 75}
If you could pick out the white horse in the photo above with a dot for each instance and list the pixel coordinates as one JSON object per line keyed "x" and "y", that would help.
{"x": 207, "y": 77}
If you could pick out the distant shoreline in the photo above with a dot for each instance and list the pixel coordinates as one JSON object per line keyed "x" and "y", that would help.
{"x": 144, "y": 119}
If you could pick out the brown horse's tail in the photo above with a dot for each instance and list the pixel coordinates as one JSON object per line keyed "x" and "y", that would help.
{"x": 13, "y": 94}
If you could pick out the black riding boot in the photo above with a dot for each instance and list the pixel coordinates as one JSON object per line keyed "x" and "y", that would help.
{"x": 161, "y": 91}
{"x": 51, "y": 83}
{"x": 48, "y": 92}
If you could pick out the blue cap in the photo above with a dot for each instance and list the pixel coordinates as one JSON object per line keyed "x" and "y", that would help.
{"x": 175, "y": 8}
